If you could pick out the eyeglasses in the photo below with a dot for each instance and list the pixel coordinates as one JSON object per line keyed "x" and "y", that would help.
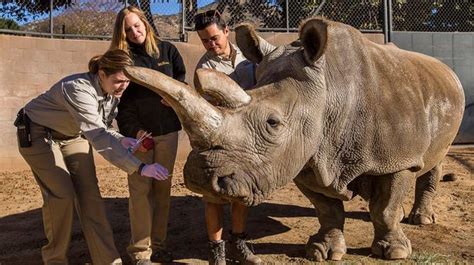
{"x": 208, "y": 17}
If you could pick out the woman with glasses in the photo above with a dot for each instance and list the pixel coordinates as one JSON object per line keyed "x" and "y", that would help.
{"x": 142, "y": 111}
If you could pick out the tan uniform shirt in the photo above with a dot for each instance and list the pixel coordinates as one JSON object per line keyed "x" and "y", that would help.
{"x": 77, "y": 105}
{"x": 236, "y": 67}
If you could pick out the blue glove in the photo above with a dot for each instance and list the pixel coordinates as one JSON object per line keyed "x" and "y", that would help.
{"x": 129, "y": 143}
{"x": 155, "y": 171}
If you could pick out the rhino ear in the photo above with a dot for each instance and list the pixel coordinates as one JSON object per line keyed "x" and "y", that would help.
{"x": 313, "y": 35}
{"x": 252, "y": 46}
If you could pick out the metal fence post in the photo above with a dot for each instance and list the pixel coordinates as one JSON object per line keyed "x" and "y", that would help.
{"x": 287, "y": 16}
{"x": 387, "y": 23}
{"x": 51, "y": 30}
{"x": 183, "y": 22}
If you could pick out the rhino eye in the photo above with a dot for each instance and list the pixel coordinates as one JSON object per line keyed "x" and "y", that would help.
{"x": 273, "y": 121}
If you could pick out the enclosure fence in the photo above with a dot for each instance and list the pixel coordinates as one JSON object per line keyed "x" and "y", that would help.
{"x": 90, "y": 19}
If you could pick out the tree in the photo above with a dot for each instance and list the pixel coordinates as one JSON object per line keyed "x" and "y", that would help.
{"x": 8, "y": 24}
{"x": 455, "y": 15}
{"x": 22, "y": 10}
{"x": 435, "y": 15}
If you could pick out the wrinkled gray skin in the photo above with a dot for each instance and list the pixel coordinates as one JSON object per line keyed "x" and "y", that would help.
{"x": 339, "y": 115}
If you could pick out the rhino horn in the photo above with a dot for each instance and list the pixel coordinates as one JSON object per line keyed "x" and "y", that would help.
{"x": 199, "y": 118}
{"x": 313, "y": 35}
{"x": 221, "y": 88}
{"x": 252, "y": 46}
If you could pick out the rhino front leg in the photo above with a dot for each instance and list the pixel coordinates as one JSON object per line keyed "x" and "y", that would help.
{"x": 328, "y": 243}
{"x": 385, "y": 209}
{"x": 422, "y": 212}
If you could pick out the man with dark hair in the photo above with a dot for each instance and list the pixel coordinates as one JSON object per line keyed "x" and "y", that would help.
{"x": 222, "y": 55}
{"x": 225, "y": 57}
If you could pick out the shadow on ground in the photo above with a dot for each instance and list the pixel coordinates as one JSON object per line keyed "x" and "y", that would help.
{"x": 22, "y": 234}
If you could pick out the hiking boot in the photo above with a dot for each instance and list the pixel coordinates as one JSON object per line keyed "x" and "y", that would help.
{"x": 217, "y": 252}
{"x": 238, "y": 250}
{"x": 161, "y": 255}
{"x": 143, "y": 262}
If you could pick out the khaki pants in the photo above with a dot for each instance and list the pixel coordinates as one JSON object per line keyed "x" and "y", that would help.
{"x": 65, "y": 173}
{"x": 149, "y": 201}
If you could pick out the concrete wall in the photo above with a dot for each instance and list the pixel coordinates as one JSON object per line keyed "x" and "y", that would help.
{"x": 456, "y": 49}
{"x": 29, "y": 66}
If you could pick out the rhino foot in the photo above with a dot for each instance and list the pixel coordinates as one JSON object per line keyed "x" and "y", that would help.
{"x": 417, "y": 218}
{"x": 326, "y": 246}
{"x": 392, "y": 247}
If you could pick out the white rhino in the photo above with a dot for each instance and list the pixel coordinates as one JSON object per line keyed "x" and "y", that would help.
{"x": 334, "y": 112}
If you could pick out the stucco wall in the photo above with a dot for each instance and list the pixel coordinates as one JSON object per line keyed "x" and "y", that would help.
{"x": 29, "y": 66}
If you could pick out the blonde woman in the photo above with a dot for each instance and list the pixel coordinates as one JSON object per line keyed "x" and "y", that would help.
{"x": 142, "y": 111}
{"x": 56, "y": 133}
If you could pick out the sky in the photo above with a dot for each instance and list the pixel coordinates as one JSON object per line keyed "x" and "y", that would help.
{"x": 162, "y": 7}
{"x": 173, "y": 6}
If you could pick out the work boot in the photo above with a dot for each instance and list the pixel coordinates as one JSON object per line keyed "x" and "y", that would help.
{"x": 217, "y": 252}
{"x": 161, "y": 255}
{"x": 142, "y": 262}
{"x": 238, "y": 250}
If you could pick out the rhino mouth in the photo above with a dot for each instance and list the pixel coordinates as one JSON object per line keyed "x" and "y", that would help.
{"x": 230, "y": 186}
{"x": 227, "y": 186}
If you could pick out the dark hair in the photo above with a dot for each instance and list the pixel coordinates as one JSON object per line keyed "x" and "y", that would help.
{"x": 203, "y": 20}
{"x": 111, "y": 62}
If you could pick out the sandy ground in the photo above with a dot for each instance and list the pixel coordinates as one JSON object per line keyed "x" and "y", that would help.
{"x": 279, "y": 228}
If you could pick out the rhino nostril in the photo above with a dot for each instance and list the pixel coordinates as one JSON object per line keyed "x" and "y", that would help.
{"x": 226, "y": 184}
{"x": 217, "y": 147}
{"x": 222, "y": 182}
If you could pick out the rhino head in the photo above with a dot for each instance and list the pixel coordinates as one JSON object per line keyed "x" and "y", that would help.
{"x": 248, "y": 143}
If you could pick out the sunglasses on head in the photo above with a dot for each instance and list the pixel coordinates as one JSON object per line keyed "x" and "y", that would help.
{"x": 210, "y": 16}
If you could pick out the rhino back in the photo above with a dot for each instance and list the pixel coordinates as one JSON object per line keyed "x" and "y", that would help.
{"x": 386, "y": 110}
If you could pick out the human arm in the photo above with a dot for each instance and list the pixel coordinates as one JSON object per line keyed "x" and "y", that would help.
{"x": 179, "y": 69}
{"x": 176, "y": 69}
{"x": 82, "y": 103}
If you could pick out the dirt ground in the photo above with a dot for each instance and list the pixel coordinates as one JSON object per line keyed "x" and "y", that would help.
{"x": 279, "y": 228}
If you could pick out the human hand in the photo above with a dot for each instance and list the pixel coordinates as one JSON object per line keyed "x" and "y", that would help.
{"x": 142, "y": 137}
{"x": 141, "y": 133}
{"x": 148, "y": 143}
{"x": 128, "y": 142}
{"x": 155, "y": 171}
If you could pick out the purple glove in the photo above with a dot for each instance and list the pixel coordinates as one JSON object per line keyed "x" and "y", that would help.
{"x": 155, "y": 171}
{"x": 130, "y": 144}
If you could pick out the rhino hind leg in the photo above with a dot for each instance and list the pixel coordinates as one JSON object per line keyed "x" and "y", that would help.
{"x": 328, "y": 243}
{"x": 422, "y": 211}
{"x": 385, "y": 209}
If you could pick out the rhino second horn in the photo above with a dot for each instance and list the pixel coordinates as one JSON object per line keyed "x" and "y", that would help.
{"x": 199, "y": 118}
{"x": 222, "y": 88}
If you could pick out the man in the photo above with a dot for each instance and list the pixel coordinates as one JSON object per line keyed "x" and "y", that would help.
{"x": 225, "y": 57}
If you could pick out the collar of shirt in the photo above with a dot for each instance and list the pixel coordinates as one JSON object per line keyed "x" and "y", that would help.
{"x": 101, "y": 96}
{"x": 106, "y": 102}
{"x": 234, "y": 53}
{"x": 137, "y": 50}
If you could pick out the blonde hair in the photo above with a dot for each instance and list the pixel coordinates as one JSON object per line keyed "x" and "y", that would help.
{"x": 111, "y": 62}
{"x": 119, "y": 37}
